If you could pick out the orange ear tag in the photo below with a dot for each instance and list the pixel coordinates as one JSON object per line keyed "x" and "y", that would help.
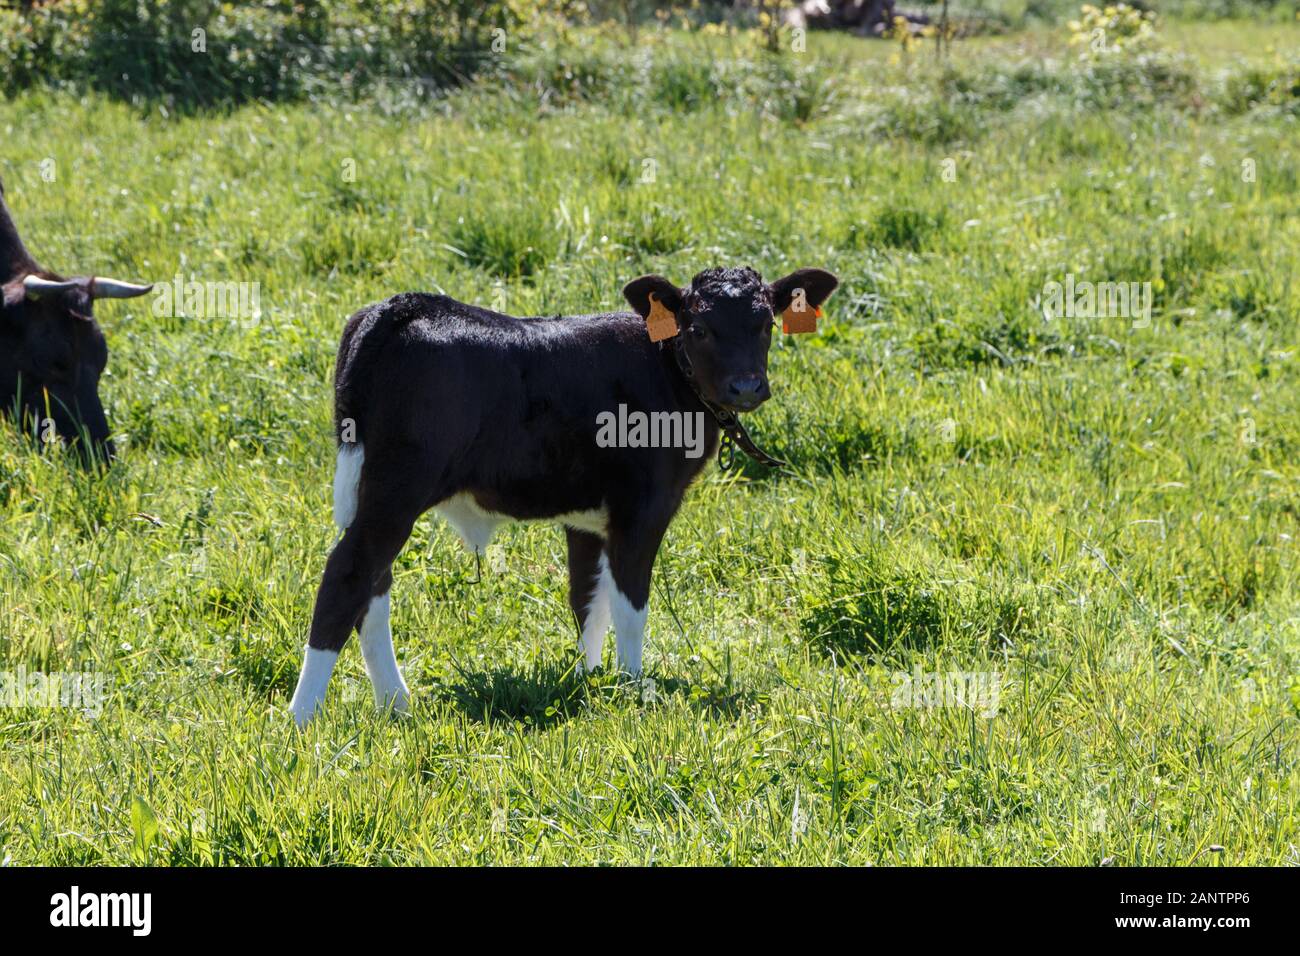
{"x": 793, "y": 322}
{"x": 660, "y": 323}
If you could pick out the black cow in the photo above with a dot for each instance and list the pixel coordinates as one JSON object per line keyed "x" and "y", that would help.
{"x": 489, "y": 418}
{"x": 52, "y": 351}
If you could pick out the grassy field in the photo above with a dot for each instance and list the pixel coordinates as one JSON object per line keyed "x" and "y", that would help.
{"x": 1102, "y": 518}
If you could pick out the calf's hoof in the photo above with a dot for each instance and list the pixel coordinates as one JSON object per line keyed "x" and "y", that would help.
{"x": 395, "y": 702}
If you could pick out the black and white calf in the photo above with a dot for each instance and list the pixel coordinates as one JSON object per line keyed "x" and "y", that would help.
{"x": 488, "y": 418}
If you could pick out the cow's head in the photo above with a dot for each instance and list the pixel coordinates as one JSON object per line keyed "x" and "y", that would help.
{"x": 52, "y": 352}
{"x": 724, "y": 325}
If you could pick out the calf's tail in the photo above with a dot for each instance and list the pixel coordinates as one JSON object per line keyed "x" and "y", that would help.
{"x": 347, "y": 479}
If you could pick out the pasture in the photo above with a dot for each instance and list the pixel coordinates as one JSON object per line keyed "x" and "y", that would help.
{"x": 1099, "y": 515}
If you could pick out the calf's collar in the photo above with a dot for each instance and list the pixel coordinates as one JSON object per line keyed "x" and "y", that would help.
{"x": 733, "y": 432}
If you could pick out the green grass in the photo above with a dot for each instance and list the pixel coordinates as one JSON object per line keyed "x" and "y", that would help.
{"x": 1074, "y": 504}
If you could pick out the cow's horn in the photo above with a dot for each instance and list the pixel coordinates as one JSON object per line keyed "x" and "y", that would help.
{"x": 116, "y": 289}
{"x": 37, "y": 287}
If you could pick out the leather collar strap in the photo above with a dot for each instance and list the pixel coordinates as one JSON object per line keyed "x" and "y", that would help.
{"x": 733, "y": 431}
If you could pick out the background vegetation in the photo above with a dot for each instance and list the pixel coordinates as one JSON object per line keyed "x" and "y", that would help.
{"x": 1104, "y": 515}
{"x": 204, "y": 53}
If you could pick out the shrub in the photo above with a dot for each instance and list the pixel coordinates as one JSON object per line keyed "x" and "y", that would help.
{"x": 1275, "y": 86}
{"x": 43, "y": 44}
{"x": 1142, "y": 80}
{"x": 1114, "y": 30}
{"x": 204, "y": 52}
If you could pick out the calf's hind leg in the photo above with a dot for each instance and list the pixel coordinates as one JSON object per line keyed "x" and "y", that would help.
{"x": 376, "y": 637}
{"x": 354, "y": 594}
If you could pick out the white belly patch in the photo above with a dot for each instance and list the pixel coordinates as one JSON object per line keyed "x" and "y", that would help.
{"x": 475, "y": 526}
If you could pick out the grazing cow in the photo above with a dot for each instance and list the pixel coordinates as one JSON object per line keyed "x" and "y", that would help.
{"x": 487, "y": 418}
{"x": 52, "y": 352}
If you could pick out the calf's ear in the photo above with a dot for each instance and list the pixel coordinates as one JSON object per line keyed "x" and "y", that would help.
{"x": 816, "y": 285}
{"x": 637, "y": 292}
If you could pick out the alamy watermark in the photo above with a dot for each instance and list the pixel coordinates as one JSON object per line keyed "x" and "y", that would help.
{"x": 624, "y": 429}
{"x": 1083, "y": 299}
{"x": 195, "y": 299}
{"x": 133, "y": 911}
{"x": 75, "y": 690}
{"x": 980, "y": 691}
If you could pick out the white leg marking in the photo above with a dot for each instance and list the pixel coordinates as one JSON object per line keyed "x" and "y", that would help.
{"x": 598, "y": 614}
{"x": 317, "y": 667}
{"x": 347, "y": 476}
{"x": 381, "y": 662}
{"x": 629, "y": 632}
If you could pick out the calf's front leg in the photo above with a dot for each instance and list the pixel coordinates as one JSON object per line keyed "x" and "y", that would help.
{"x": 631, "y": 560}
{"x": 590, "y": 585}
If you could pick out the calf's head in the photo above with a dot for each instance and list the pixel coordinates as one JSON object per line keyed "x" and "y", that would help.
{"x": 724, "y": 325}
{"x": 52, "y": 351}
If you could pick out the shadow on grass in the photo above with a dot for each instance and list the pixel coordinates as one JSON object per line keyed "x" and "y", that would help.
{"x": 824, "y": 450}
{"x": 545, "y": 694}
{"x": 549, "y": 693}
